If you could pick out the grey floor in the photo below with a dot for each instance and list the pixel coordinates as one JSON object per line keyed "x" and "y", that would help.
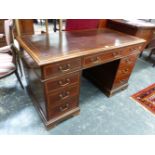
{"x": 117, "y": 115}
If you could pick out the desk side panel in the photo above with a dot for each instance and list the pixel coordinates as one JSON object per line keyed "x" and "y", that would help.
{"x": 35, "y": 85}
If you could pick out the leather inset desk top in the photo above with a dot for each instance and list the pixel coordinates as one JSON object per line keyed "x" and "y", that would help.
{"x": 54, "y": 47}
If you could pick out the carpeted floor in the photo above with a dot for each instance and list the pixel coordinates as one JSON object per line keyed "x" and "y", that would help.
{"x": 99, "y": 115}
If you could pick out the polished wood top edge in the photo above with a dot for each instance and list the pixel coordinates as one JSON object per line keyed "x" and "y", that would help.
{"x": 79, "y": 54}
{"x": 132, "y": 25}
{"x": 30, "y": 52}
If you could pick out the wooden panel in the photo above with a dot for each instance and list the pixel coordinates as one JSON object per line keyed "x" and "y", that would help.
{"x": 144, "y": 31}
{"x": 118, "y": 26}
{"x": 36, "y": 89}
{"x": 145, "y": 34}
{"x": 62, "y": 82}
{"x": 103, "y": 23}
{"x": 26, "y": 26}
{"x": 61, "y": 68}
{"x": 139, "y": 24}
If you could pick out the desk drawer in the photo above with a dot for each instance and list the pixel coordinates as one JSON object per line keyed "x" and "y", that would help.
{"x": 61, "y": 68}
{"x": 126, "y": 66}
{"x": 128, "y": 61}
{"x": 101, "y": 58}
{"x": 62, "y": 82}
{"x": 122, "y": 76}
{"x": 110, "y": 55}
{"x": 124, "y": 71}
{"x": 63, "y": 95}
{"x": 132, "y": 50}
{"x": 62, "y": 107}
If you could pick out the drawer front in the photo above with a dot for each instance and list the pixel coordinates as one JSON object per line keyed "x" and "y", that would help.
{"x": 61, "y": 68}
{"x": 63, "y": 95}
{"x": 63, "y": 82}
{"x": 124, "y": 72}
{"x": 109, "y": 56}
{"x": 128, "y": 61}
{"x": 126, "y": 66}
{"x": 62, "y": 107}
{"x": 122, "y": 76}
{"x": 132, "y": 50}
{"x": 101, "y": 58}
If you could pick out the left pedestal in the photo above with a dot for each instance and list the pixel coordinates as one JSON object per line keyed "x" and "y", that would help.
{"x": 54, "y": 89}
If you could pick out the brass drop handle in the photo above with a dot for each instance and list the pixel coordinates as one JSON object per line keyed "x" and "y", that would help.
{"x": 95, "y": 60}
{"x": 64, "y": 84}
{"x": 64, "y": 108}
{"x": 125, "y": 71}
{"x": 62, "y": 69}
{"x": 64, "y": 95}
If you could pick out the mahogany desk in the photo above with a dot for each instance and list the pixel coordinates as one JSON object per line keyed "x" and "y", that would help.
{"x": 54, "y": 64}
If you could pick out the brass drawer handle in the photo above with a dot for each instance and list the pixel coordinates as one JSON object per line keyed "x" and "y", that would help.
{"x": 62, "y": 69}
{"x": 116, "y": 54}
{"x": 95, "y": 60}
{"x": 64, "y": 95}
{"x": 64, "y": 108}
{"x": 64, "y": 84}
{"x": 125, "y": 71}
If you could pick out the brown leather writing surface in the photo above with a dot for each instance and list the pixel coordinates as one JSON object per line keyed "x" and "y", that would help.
{"x": 55, "y": 47}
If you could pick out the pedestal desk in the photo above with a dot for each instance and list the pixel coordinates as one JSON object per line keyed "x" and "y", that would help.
{"x": 54, "y": 63}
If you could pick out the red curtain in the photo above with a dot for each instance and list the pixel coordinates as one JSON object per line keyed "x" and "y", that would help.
{"x": 81, "y": 24}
